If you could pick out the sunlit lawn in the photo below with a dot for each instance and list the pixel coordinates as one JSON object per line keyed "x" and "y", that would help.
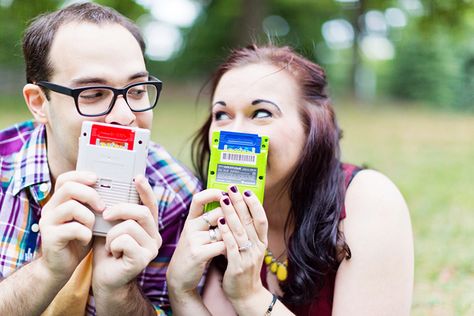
{"x": 429, "y": 155}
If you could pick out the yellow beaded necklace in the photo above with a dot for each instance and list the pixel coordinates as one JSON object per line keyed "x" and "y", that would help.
{"x": 276, "y": 267}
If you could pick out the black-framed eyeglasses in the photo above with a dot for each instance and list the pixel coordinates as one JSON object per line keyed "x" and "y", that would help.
{"x": 99, "y": 100}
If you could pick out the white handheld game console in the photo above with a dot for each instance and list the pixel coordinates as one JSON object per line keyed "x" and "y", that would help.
{"x": 116, "y": 154}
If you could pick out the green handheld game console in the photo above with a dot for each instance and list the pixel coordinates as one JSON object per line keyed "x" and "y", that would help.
{"x": 240, "y": 159}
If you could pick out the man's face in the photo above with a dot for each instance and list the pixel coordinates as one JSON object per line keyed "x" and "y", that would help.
{"x": 85, "y": 54}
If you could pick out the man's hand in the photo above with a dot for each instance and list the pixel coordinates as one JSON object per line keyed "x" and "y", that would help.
{"x": 66, "y": 232}
{"x": 66, "y": 222}
{"x": 130, "y": 245}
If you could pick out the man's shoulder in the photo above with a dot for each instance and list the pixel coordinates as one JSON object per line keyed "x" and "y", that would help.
{"x": 163, "y": 169}
{"x": 14, "y": 137}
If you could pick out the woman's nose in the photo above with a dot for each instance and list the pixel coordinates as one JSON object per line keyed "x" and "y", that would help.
{"x": 240, "y": 124}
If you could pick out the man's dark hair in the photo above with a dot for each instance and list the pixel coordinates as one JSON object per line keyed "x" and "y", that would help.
{"x": 39, "y": 35}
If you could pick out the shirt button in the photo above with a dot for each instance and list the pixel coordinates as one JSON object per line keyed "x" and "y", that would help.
{"x": 35, "y": 228}
{"x": 44, "y": 187}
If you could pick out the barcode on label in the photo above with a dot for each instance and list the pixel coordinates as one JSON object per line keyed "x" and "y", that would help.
{"x": 248, "y": 159}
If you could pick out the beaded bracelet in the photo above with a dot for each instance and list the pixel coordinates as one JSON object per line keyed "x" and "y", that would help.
{"x": 270, "y": 307}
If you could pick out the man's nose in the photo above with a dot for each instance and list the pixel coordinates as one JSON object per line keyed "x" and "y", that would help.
{"x": 121, "y": 113}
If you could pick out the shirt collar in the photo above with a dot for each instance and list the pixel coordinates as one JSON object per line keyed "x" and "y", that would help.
{"x": 31, "y": 166}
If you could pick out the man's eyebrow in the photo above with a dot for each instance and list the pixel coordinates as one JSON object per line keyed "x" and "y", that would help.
{"x": 258, "y": 101}
{"x": 102, "y": 81}
{"x": 88, "y": 80}
{"x": 139, "y": 75}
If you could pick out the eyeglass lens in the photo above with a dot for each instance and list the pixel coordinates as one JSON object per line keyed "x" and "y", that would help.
{"x": 98, "y": 100}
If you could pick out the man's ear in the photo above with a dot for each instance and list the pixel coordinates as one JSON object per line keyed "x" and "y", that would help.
{"x": 36, "y": 101}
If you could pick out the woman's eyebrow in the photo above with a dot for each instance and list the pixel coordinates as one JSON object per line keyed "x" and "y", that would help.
{"x": 219, "y": 103}
{"x": 258, "y": 101}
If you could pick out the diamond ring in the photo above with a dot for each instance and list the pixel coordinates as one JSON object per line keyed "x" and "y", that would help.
{"x": 213, "y": 235}
{"x": 205, "y": 218}
{"x": 248, "y": 244}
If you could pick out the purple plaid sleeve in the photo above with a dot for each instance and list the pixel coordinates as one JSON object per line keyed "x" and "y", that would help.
{"x": 26, "y": 185}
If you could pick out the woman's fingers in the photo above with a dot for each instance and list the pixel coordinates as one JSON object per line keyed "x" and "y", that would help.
{"x": 251, "y": 214}
{"x": 206, "y": 220}
{"x": 232, "y": 248}
{"x": 259, "y": 217}
{"x": 233, "y": 221}
{"x": 201, "y": 199}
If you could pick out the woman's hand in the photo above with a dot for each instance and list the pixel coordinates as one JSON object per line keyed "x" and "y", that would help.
{"x": 244, "y": 233}
{"x": 198, "y": 244}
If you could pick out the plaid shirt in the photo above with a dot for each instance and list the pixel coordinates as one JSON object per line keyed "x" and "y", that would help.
{"x": 26, "y": 186}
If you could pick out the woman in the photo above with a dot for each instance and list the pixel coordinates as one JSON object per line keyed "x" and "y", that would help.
{"x": 343, "y": 234}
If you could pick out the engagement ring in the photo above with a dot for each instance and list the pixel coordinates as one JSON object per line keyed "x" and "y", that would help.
{"x": 213, "y": 235}
{"x": 248, "y": 244}
{"x": 205, "y": 217}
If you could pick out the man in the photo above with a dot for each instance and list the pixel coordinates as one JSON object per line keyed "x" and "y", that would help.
{"x": 46, "y": 217}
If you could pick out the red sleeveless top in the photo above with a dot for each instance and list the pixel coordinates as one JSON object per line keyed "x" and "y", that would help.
{"x": 322, "y": 305}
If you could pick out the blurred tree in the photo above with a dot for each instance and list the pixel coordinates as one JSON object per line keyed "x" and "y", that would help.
{"x": 15, "y": 16}
{"x": 434, "y": 57}
{"x": 223, "y": 25}
{"x": 13, "y": 20}
{"x": 426, "y": 69}
{"x": 234, "y": 23}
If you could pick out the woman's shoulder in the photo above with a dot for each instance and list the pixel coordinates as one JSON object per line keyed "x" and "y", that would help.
{"x": 371, "y": 191}
{"x": 374, "y": 205}
{"x": 377, "y": 229}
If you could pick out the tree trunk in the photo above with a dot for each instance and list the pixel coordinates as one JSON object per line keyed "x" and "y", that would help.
{"x": 358, "y": 26}
{"x": 248, "y": 27}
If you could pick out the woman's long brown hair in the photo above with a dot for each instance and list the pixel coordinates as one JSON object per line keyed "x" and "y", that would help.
{"x": 317, "y": 186}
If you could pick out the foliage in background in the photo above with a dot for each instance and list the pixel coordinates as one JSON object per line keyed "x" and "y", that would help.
{"x": 434, "y": 56}
{"x": 433, "y": 60}
{"x": 427, "y": 154}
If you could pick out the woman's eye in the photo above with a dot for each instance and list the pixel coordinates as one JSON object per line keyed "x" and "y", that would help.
{"x": 218, "y": 116}
{"x": 261, "y": 114}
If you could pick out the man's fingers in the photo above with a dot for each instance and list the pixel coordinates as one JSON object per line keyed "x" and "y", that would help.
{"x": 147, "y": 196}
{"x": 68, "y": 232}
{"x": 70, "y": 211}
{"x": 84, "y": 177}
{"x": 139, "y": 213}
{"x": 79, "y": 192}
{"x": 133, "y": 229}
{"x": 125, "y": 245}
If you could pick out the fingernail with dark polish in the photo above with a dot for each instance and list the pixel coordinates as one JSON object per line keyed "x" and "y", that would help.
{"x": 233, "y": 189}
{"x": 248, "y": 193}
{"x": 225, "y": 193}
{"x": 222, "y": 220}
{"x": 226, "y": 201}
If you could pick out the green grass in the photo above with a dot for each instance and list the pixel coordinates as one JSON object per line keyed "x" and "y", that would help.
{"x": 427, "y": 154}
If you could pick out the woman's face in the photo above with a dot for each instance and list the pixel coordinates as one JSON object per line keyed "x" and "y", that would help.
{"x": 265, "y": 100}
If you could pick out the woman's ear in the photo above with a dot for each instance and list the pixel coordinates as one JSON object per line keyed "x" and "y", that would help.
{"x": 36, "y": 101}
